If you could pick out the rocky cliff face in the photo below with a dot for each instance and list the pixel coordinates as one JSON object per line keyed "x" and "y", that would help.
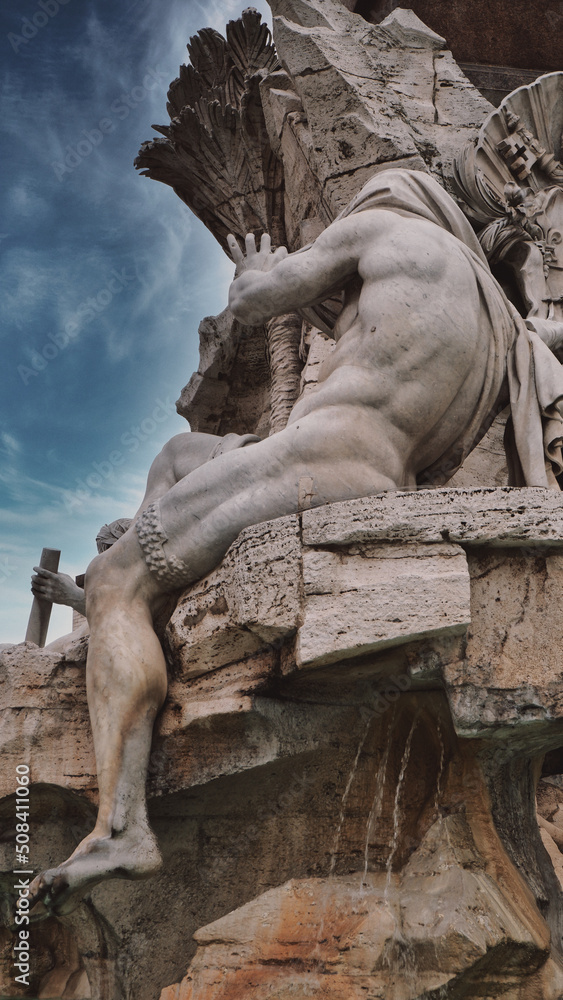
{"x": 344, "y": 776}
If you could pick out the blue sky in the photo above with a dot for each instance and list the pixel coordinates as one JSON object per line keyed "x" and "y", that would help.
{"x": 105, "y": 274}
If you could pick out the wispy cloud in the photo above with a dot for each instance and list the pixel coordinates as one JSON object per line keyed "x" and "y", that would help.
{"x": 10, "y": 445}
{"x": 26, "y": 202}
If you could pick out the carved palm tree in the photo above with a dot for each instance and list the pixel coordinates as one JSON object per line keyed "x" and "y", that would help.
{"x": 217, "y": 157}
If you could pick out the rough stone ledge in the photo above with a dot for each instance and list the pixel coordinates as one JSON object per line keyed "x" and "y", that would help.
{"x": 355, "y": 577}
{"x": 389, "y": 588}
{"x": 498, "y": 516}
{"x": 448, "y": 588}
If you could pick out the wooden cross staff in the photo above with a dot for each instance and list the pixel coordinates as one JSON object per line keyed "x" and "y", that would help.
{"x": 41, "y": 610}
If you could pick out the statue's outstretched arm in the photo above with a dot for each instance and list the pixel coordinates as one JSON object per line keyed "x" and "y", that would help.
{"x": 268, "y": 284}
{"x": 59, "y": 588}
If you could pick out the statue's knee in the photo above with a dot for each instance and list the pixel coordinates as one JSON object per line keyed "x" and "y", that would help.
{"x": 183, "y": 454}
{"x": 94, "y": 574}
{"x": 164, "y": 470}
{"x": 179, "y": 445}
{"x": 104, "y": 569}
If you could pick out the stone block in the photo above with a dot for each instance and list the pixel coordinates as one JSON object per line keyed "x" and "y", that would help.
{"x": 253, "y": 599}
{"x": 407, "y": 29}
{"x": 512, "y": 673}
{"x": 372, "y": 95}
{"x": 340, "y": 938}
{"x": 44, "y": 718}
{"x": 375, "y": 596}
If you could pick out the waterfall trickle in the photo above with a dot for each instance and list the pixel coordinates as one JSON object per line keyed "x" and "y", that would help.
{"x": 351, "y": 776}
{"x": 397, "y": 815}
{"x": 377, "y": 802}
{"x": 399, "y": 952}
{"x": 440, "y": 771}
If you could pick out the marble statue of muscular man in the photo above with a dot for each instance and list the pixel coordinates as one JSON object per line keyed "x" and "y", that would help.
{"x": 419, "y": 365}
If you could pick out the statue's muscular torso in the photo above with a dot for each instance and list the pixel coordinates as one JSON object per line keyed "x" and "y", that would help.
{"x": 405, "y": 345}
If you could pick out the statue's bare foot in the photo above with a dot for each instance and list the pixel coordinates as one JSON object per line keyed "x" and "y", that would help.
{"x": 58, "y": 891}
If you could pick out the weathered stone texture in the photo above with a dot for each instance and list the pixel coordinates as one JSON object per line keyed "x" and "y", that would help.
{"x": 251, "y": 600}
{"x": 390, "y": 94}
{"x": 44, "y": 718}
{"x": 368, "y": 597}
{"x": 505, "y": 33}
{"x": 500, "y": 517}
{"x": 321, "y": 782}
{"x": 342, "y": 938}
{"x": 231, "y": 389}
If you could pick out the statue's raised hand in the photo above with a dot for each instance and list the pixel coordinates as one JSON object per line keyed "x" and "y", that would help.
{"x": 263, "y": 259}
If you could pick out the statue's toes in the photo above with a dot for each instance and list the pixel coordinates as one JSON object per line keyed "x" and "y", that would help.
{"x": 57, "y": 888}
{"x": 45, "y": 893}
{"x": 39, "y": 912}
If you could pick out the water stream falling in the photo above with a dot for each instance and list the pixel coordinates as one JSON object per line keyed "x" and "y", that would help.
{"x": 316, "y": 955}
{"x": 439, "y": 819}
{"x": 375, "y": 811}
{"x": 351, "y": 776}
{"x": 437, "y": 812}
{"x": 397, "y": 812}
{"x": 400, "y": 953}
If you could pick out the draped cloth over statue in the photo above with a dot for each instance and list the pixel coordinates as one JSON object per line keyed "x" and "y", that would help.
{"x": 520, "y": 368}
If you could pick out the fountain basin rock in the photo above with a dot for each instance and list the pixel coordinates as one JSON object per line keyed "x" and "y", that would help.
{"x": 354, "y": 720}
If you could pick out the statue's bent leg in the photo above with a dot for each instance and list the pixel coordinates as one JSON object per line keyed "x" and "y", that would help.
{"x": 184, "y": 453}
{"x": 334, "y": 453}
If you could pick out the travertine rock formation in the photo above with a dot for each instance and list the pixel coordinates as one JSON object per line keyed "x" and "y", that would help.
{"x": 343, "y": 776}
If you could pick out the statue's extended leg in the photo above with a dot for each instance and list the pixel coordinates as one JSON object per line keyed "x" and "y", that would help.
{"x": 126, "y": 682}
{"x": 332, "y": 454}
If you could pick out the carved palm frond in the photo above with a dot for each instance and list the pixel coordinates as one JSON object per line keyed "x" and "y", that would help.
{"x": 216, "y": 154}
{"x": 209, "y": 57}
{"x": 248, "y": 40}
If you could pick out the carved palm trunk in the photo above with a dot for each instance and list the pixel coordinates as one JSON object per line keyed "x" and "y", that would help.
{"x": 283, "y": 338}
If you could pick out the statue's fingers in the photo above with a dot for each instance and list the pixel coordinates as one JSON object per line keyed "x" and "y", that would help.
{"x": 45, "y": 573}
{"x": 250, "y": 244}
{"x": 265, "y": 243}
{"x": 280, "y": 253}
{"x": 236, "y": 251}
{"x": 37, "y": 890}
